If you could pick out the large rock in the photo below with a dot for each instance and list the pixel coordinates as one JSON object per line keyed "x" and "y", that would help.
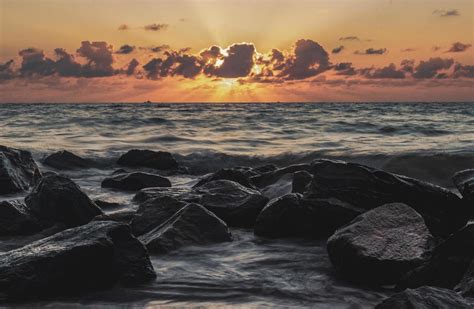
{"x": 96, "y": 255}
{"x": 146, "y": 158}
{"x": 381, "y": 245}
{"x": 17, "y": 219}
{"x": 464, "y": 181}
{"x": 181, "y": 193}
{"x": 18, "y": 170}
{"x": 448, "y": 264}
{"x": 425, "y": 298}
{"x": 301, "y": 180}
{"x": 293, "y": 216}
{"x": 235, "y": 175}
{"x": 135, "y": 181}
{"x": 192, "y": 225}
{"x": 153, "y": 213}
{"x": 65, "y": 160}
{"x": 367, "y": 188}
{"x": 235, "y": 204}
{"x": 57, "y": 199}
{"x": 466, "y": 285}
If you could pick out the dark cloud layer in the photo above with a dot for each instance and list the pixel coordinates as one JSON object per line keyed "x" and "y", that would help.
{"x": 99, "y": 56}
{"x": 6, "y": 70}
{"x": 155, "y": 27}
{"x": 337, "y": 50}
{"x": 446, "y": 13}
{"x": 125, "y": 49}
{"x": 372, "y": 51}
{"x": 431, "y": 67}
{"x": 389, "y": 71}
{"x": 459, "y": 47}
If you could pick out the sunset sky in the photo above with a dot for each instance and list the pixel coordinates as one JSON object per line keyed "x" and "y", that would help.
{"x": 236, "y": 50}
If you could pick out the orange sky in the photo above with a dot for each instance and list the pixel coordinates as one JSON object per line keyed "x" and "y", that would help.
{"x": 373, "y": 33}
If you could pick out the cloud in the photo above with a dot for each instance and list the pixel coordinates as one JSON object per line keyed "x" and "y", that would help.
{"x": 408, "y": 65}
{"x": 125, "y": 49}
{"x": 237, "y": 61}
{"x": 372, "y": 51}
{"x": 337, "y": 50}
{"x": 156, "y": 49}
{"x": 459, "y": 47}
{"x": 345, "y": 68}
{"x": 155, "y": 27}
{"x": 309, "y": 59}
{"x": 6, "y": 70}
{"x": 174, "y": 63}
{"x": 66, "y": 65}
{"x": 123, "y": 27}
{"x": 461, "y": 70}
{"x": 446, "y": 13}
{"x": 99, "y": 56}
{"x": 430, "y": 68}
{"x": 34, "y": 62}
{"x": 407, "y": 50}
{"x": 389, "y": 71}
{"x": 436, "y": 48}
{"x": 132, "y": 66}
{"x": 349, "y": 38}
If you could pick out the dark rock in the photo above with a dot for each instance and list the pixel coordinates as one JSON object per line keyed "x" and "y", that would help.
{"x": 367, "y": 188}
{"x": 120, "y": 171}
{"x": 16, "y": 219}
{"x": 153, "y": 212}
{"x": 425, "y": 297}
{"x": 381, "y": 245}
{"x": 268, "y": 178}
{"x": 259, "y": 170}
{"x": 65, "y": 160}
{"x": 301, "y": 180}
{"x": 227, "y": 174}
{"x": 466, "y": 285}
{"x": 235, "y": 204}
{"x": 192, "y": 225}
{"x": 135, "y": 181}
{"x": 448, "y": 264}
{"x": 96, "y": 255}
{"x": 118, "y": 216}
{"x": 464, "y": 181}
{"x": 181, "y": 193}
{"x": 293, "y": 216}
{"x": 146, "y": 158}
{"x": 57, "y": 199}
{"x": 18, "y": 170}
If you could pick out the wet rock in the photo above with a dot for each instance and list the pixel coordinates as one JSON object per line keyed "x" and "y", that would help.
{"x": 146, "y": 158}
{"x": 381, "y": 245}
{"x": 301, "y": 180}
{"x": 464, "y": 181}
{"x": 153, "y": 213}
{"x": 18, "y": 170}
{"x": 466, "y": 285}
{"x": 235, "y": 204}
{"x": 135, "y": 181}
{"x": 57, "y": 199}
{"x": 16, "y": 219}
{"x": 293, "y": 216}
{"x": 118, "y": 216}
{"x": 425, "y": 298}
{"x": 192, "y": 225}
{"x": 65, "y": 160}
{"x": 448, "y": 264}
{"x": 181, "y": 193}
{"x": 96, "y": 255}
{"x": 227, "y": 174}
{"x": 367, "y": 188}
{"x": 107, "y": 205}
{"x": 268, "y": 178}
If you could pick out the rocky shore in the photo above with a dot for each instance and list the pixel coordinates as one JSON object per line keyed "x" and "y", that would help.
{"x": 382, "y": 229}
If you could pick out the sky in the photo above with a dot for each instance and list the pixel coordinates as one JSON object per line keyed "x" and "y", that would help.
{"x": 236, "y": 50}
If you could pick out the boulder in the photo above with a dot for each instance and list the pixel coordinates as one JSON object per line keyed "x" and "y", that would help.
{"x": 154, "y": 212}
{"x": 273, "y": 175}
{"x": 367, "y": 188}
{"x": 301, "y": 180}
{"x": 124, "y": 216}
{"x": 464, "y": 181}
{"x": 182, "y": 193}
{"x": 381, "y": 245}
{"x": 18, "y": 170}
{"x": 159, "y": 160}
{"x": 16, "y": 219}
{"x": 65, "y": 160}
{"x": 192, "y": 225}
{"x": 293, "y": 216}
{"x": 425, "y": 297}
{"x": 235, "y": 204}
{"x": 57, "y": 199}
{"x": 235, "y": 175}
{"x": 135, "y": 181}
{"x": 106, "y": 205}
{"x": 448, "y": 264}
{"x": 466, "y": 285}
{"x": 85, "y": 258}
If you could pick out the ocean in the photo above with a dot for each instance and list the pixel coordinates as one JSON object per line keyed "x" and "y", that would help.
{"x": 429, "y": 141}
